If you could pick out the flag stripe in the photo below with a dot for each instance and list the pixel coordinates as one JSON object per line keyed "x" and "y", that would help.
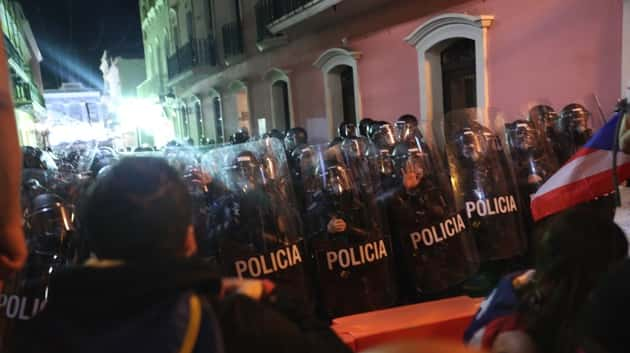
{"x": 589, "y": 165}
{"x": 575, "y": 193}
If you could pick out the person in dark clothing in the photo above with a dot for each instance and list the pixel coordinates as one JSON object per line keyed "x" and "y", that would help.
{"x": 145, "y": 291}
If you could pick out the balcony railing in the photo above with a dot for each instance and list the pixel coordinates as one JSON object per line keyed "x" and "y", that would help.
{"x": 281, "y": 14}
{"x": 197, "y": 52}
{"x": 12, "y": 52}
{"x": 26, "y": 93}
{"x": 232, "y": 39}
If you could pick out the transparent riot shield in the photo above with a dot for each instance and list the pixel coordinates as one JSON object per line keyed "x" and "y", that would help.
{"x": 533, "y": 162}
{"x": 253, "y": 224}
{"x": 48, "y": 226}
{"x": 572, "y": 131}
{"x": 483, "y": 185}
{"x": 352, "y": 254}
{"x": 380, "y": 162}
{"x": 434, "y": 244}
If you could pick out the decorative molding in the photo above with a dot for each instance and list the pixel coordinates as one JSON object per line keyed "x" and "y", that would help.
{"x": 430, "y": 39}
{"x": 327, "y": 62}
{"x": 236, "y": 86}
{"x": 276, "y": 74}
{"x": 446, "y": 20}
{"x": 334, "y": 54}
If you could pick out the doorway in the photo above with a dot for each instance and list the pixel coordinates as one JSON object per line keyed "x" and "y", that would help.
{"x": 218, "y": 119}
{"x": 342, "y": 95}
{"x": 281, "y": 110}
{"x": 459, "y": 83}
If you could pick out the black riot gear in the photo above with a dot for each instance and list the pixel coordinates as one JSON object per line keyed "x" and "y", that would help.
{"x": 544, "y": 119}
{"x": 364, "y": 126}
{"x": 48, "y": 224}
{"x": 483, "y": 186}
{"x": 407, "y": 128}
{"x": 435, "y": 247}
{"x": 572, "y": 131}
{"x": 104, "y": 157}
{"x": 254, "y": 226}
{"x": 374, "y": 128}
{"x": 295, "y": 137}
{"x": 533, "y": 162}
{"x": 32, "y": 158}
{"x": 347, "y": 130}
{"x": 240, "y": 136}
{"x": 245, "y": 171}
{"x": 340, "y": 221}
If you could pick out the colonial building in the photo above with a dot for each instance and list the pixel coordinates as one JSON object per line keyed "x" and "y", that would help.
{"x": 74, "y": 112}
{"x": 24, "y": 66}
{"x": 265, "y": 64}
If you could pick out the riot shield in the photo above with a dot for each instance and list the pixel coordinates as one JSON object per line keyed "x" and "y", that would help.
{"x": 435, "y": 247}
{"x": 48, "y": 226}
{"x": 380, "y": 161}
{"x": 533, "y": 162}
{"x": 352, "y": 254}
{"x": 572, "y": 131}
{"x": 253, "y": 224}
{"x": 483, "y": 185}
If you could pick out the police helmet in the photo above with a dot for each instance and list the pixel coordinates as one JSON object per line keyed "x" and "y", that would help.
{"x": 347, "y": 130}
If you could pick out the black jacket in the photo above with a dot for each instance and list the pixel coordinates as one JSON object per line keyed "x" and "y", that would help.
{"x": 143, "y": 308}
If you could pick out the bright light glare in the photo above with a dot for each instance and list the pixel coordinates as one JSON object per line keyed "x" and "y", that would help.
{"x": 146, "y": 115}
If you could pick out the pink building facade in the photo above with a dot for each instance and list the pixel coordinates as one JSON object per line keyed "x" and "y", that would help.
{"x": 387, "y": 57}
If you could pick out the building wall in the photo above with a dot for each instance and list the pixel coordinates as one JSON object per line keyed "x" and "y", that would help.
{"x": 554, "y": 52}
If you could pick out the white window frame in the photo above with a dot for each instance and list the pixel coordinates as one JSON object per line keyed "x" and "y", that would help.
{"x": 426, "y": 39}
{"x": 329, "y": 60}
{"x": 273, "y": 76}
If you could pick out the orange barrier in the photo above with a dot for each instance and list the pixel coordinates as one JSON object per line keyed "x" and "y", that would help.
{"x": 445, "y": 319}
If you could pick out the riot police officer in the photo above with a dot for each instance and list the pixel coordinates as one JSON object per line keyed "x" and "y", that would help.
{"x": 531, "y": 156}
{"x": 385, "y": 176}
{"x": 572, "y": 130}
{"x": 295, "y": 137}
{"x": 351, "y": 254}
{"x": 435, "y": 251}
{"x": 240, "y": 136}
{"x": 533, "y": 162}
{"x": 48, "y": 228}
{"x": 364, "y": 126}
{"x": 544, "y": 119}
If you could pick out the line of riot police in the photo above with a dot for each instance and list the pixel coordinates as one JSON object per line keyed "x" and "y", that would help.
{"x": 362, "y": 223}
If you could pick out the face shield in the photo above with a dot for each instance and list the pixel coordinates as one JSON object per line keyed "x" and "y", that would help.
{"x": 405, "y": 130}
{"x": 386, "y": 136}
{"x": 246, "y": 173}
{"x": 48, "y": 225}
{"x": 337, "y": 181}
{"x": 385, "y": 163}
{"x": 524, "y": 137}
{"x": 270, "y": 170}
{"x": 471, "y": 145}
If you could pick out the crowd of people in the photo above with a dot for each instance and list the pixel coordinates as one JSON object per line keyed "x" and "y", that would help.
{"x": 257, "y": 245}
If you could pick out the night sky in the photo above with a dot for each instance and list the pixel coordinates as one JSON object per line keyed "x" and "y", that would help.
{"x": 72, "y": 35}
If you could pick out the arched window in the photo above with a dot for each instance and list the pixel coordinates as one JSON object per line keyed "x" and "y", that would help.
{"x": 341, "y": 85}
{"x": 452, "y": 66}
{"x": 281, "y": 100}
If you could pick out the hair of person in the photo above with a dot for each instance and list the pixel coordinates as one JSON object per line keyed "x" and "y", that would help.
{"x": 602, "y": 320}
{"x": 575, "y": 250}
{"x": 140, "y": 210}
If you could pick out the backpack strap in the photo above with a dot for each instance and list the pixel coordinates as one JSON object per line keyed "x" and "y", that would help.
{"x": 194, "y": 324}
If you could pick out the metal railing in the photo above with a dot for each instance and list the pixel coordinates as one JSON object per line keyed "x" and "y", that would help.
{"x": 197, "y": 52}
{"x": 273, "y": 10}
{"x": 12, "y": 52}
{"x": 232, "y": 39}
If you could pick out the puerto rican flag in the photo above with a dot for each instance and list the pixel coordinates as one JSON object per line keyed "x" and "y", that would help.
{"x": 587, "y": 175}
